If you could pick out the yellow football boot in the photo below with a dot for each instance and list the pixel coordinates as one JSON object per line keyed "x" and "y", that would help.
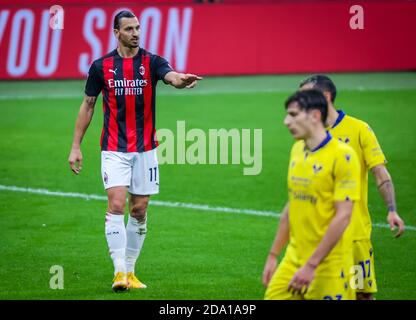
{"x": 120, "y": 282}
{"x": 133, "y": 282}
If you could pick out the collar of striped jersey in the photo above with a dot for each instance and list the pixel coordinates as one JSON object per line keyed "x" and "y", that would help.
{"x": 341, "y": 115}
{"x": 323, "y": 143}
{"x": 137, "y": 54}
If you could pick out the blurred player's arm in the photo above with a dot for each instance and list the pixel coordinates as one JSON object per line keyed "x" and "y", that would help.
{"x": 181, "y": 80}
{"x": 339, "y": 223}
{"x": 375, "y": 161}
{"x": 386, "y": 190}
{"x": 85, "y": 114}
{"x": 279, "y": 242}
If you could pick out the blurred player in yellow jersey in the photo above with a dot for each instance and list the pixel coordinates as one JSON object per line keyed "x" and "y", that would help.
{"x": 323, "y": 184}
{"x": 361, "y": 138}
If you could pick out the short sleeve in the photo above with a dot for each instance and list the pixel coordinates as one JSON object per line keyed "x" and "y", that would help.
{"x": 162, "y": 67}
{"x": 372, "y": 153}
{"x": 95, "y": 82}
{"x": 347, "y": 176}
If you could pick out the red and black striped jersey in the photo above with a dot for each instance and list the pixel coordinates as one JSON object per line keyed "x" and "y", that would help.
{"x": 128, "y": 86}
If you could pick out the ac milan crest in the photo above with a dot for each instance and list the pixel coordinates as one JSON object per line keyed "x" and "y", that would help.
{"x": 142, "y": 70}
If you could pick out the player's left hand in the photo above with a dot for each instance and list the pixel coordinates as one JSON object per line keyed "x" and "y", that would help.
{"x": 302, "y": 279}
{"x": 394, "y": 221}
{"x": 189, "y": 80}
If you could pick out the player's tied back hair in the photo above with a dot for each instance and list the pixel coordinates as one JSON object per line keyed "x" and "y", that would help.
{"x": 310, "y": 100}
{"x": 322, "y": 83}
{"x": 120, "y": 15}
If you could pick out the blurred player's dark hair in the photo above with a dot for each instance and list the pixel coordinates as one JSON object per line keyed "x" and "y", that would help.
{"x": 307, "y": 100}
{"x": 120, "y": 15}
{"x": 321, "y": 82}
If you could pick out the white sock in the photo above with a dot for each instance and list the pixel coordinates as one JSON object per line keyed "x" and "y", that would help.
{"x": 115, "y": 232}
{"x": 136, "y": 233}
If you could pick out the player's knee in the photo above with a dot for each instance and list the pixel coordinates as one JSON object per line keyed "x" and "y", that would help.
{"x": 138, "y": 210}
{"x": 117, "y": 206}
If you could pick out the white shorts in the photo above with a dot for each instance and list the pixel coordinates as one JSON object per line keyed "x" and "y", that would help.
{"x": 136, "y": 170}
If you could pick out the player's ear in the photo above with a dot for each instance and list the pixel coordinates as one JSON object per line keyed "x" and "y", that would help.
{"x": 116, "y": 33}
{"x": 316, "y": 115}
{"x": 327, "y": 96}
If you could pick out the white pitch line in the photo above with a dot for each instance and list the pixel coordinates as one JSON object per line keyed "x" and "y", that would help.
{"x": 199, "y": 92}
{"x": 39, "y": 96}
{"x": 171, "y": 204}
{"x": 201, "y": 207}
{"x": 196, "y": 92}
{"x": 169, "y": 94}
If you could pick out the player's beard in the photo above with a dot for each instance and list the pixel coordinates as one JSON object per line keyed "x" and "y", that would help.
{"x": 134, "y": 44}
{"x": 129, "y": 43}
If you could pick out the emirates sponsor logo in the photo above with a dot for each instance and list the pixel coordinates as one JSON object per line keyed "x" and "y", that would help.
{"x": 124, "y": 83}
{"x": 127, "y": 87}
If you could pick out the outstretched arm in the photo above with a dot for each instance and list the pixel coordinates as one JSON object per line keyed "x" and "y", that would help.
{"x": 85, "y": 114}
{"x": 386, "y": 190}
{"x": 181, "y": 80}
{"x": 304, "y": 276}
{"x": 279, "y": 242}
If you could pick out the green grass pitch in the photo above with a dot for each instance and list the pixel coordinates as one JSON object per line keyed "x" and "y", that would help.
{"x": 188, "y": 253}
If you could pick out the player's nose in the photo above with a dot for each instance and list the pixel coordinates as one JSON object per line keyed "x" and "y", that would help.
{"x": 286, "y": 121}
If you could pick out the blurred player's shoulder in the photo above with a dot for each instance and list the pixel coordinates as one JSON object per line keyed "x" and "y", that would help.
{"x": 343, "y": 151}
{"x": 341, "y": 147}
{"x": 355, "y": 123}
{"x": 297, "y": 147}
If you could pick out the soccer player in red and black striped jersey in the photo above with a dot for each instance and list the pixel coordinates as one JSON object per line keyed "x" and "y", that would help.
{"x": 127, "y": 79}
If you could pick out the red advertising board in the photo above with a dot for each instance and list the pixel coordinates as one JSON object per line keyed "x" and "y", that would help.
{"x": 37, "y": 42}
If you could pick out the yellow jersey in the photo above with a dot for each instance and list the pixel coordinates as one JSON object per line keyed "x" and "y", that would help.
{"x": 316, "y": 180}
{"x": 361, "y": 138}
